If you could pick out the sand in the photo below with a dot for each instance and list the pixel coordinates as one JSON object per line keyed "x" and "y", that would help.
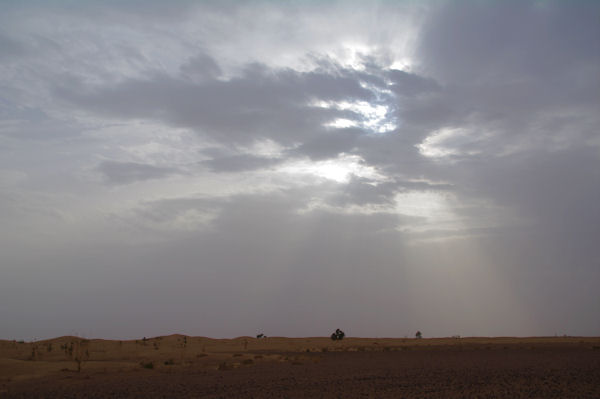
{"x": 273, "y": 367}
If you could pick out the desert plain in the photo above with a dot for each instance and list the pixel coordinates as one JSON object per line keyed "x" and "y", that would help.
{"x": 317, "y": 367}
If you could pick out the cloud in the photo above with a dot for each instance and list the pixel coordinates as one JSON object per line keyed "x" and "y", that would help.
{"x": 129, "y": 172}
{"x": 533, "y": 41}
{"x": 239, "y": 163}
{"x": 262, "y": 103}
{"x": 410, "y": 84}
{"x": 201, "y": 67}
{"x": 541, "y": 67}
{"x": 34, "y": 124}
{"x": 329, "y": 144}
{"x": 9, "y": 47}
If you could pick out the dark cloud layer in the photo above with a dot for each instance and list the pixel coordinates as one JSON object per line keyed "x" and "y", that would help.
{"x": 262, "y": 103}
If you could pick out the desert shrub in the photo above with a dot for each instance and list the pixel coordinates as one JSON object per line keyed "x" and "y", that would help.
{"x": 33, "y": 353}
{"x": 418, "y": 335}
{"x": 338, "y": 335}
{"x": 78, "y": 351}
{"x": 148, "y": 365}
{"x": 169, "y": 362}
{"x": 224, "y": 366}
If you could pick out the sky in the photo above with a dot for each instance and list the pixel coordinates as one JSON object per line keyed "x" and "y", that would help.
{"x": 225, "y": 168}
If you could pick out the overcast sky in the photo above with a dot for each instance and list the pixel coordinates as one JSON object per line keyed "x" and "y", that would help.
{"x": 289, "y": 168}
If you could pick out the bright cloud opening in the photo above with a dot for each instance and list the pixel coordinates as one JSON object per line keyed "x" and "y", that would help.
{"x": 402, "y": 64}
{"x": 351, "y": 55}
{"x": 427, "y": 204}
{"x": 434, "y": 210}
{"x": 373, "y": 117}
{"x": 342, "y": 123}
{"x": 447, "y": 142}
{"x": 436, "y": 145}
{"x": 339, "y": 170}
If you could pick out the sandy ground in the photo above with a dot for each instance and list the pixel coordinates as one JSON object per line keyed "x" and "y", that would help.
{"x": 196, "y": 367}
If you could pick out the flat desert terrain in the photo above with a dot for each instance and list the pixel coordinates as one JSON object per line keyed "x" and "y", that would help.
{"x": 274, "y": 367}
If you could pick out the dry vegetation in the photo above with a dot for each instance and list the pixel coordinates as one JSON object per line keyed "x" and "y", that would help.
{"x": 184, "y": 366}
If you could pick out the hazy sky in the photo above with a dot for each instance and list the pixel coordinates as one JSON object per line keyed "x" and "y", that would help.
{"x": 230, "y": 168}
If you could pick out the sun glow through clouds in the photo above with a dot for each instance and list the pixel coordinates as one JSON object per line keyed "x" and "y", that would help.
{"x": 341, "y": 123}
{"x": 373, "y": 117}
{"x": 339, "y": 170}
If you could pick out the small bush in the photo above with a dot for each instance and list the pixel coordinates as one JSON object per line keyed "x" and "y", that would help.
{"x": 169, "y": 362}
{"x": 225, "y": 366}
{"x": 148, "y": 365}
